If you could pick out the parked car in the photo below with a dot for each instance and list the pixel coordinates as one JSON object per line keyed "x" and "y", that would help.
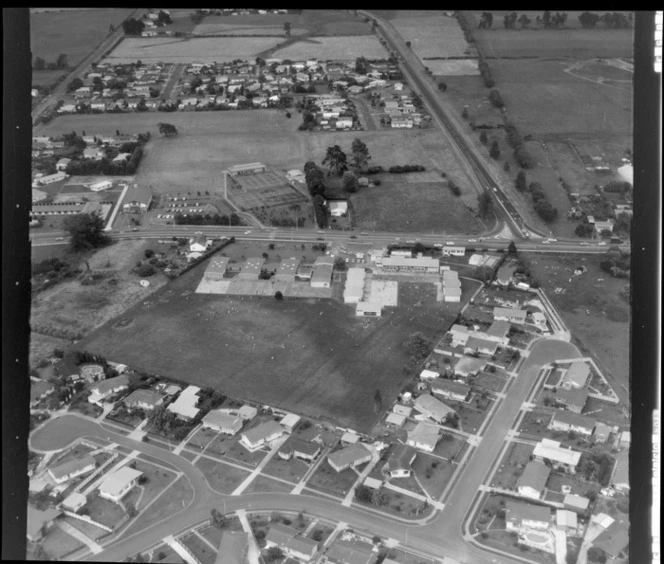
{"x": 247, "y": 232}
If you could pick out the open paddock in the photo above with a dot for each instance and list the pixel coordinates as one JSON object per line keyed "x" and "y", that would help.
{"x": 457, "y": 67}
{"x": 189, "y": 50}
{"x": 432, "y": 34}
{"x": 210, "y": 27}
{"x": 263, "y": 484}
{"x": 335, "y": 48}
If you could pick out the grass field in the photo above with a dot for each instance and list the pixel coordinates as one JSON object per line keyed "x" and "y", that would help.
{"x": 262, "y": 484}
{"x": 200, "y": 49}
{"x": 74, "y": 33}
{"x": 221, "y": 477}
{"x": 58, "y": 544}
{"x": 336, "y": 48}
{"x": 434, "y": 480}
{"x": 330, "y": 362}
{"x": 511, "y": 465}
{"x": 432, "y": 34}
{"x": 328, "y": 480}
{"x": 291, "y": 470}
{"x": 201, "y": 549}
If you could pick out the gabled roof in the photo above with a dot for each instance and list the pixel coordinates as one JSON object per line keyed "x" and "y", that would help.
{"x": 552, "y": 450}
{"x": 302, "y": 544}
{"x": 576, "y": 501}
{"x": 401, "y": 458}
{"x": 348, "y": 455}
{"x": 116, "y": 482}
{"x": 499, "y": 328}
{"x": 37, "y": 519}
{"x": 534, "y": 476}
{"x": 425, "y": 433}
{"x": 576, "y": 398}
{"x": 73, "y": 465}
{"x": 105, "y": 386}
{"x": 509, "y": 312}
{"x": 221, "y": 419}
{"x": 450, "y": 386}
{"x": 143, "y": 396}
{"x": 577, "y": 374}
{"x": 262, "y": 432}
{"x": 430, "y": 405}
{"x": 342, "y": 552}
{"x": 614, "y": 539}
{"x": 574, "y": 419}
{"x": 280, "y": 534}
{"x": 519, "y": 511}
{"x": 477, "y": 343}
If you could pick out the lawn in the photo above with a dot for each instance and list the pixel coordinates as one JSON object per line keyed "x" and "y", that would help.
{"x": 408, "y": 206}
{"x": 535, "y": 423}
{"x": 506, "y": 541}
{"x": 330, "y": 361}
{"x": 86, "y": 528}
{"x": 230, "y": 447}
{"x": 157, "y": 481}
{"x": 292, "y": 470}
{"x": 221, "y": 477}
{"x": 58, "y": 544}
{"x": 43, "y": 252}
{"x": 201, "y": 549}
{"x": 104, "y": 511}
{"x": 577, "y": 485}
{"x": 201, "y": 438}
{"x": 328, "y": 480}
{"x": 512, "y": 465}
{"x": 449, "y": 446}
{"x": 58, "y": 433}
{"x": 490, "y": 381}
{"x": 433, "y": 479}
{"x": 471, "y": 415}
{"x": 263, "y": 484}
{"x": 401, "y": 504}
{"x": 75, "y": 33}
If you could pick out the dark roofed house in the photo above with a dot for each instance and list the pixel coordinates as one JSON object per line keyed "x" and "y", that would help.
{"x": 533, "y": 480}
{"x": 279, "y": 535}
{"x": 568, "y": 421}
{"x": 72, "y": 468}
{"x": 301, "y": 548}
{"x": 342, "y": 552}
{"x": 521, "y": 516}
{"x": 572, "y": 400}
{"x": 39, "y": 522}
{"x": 351, "y": 456}
{"x": 143, "y": 399}
{"x": 400, "y": 461}
{"x": 498, "y": 332}
{"x": 614, "y": 539}
{"x": 450, "y": 389}
{"x": 137, "y": 199}
{"x": 306, "y": 450}
{"x": 504, "y": 275}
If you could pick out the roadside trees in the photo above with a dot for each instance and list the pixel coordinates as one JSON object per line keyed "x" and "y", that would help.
{"x": 350, "y": 181}
{"x": 86, "y": 231}
{"x": 360, "y": 156}
{"x": 494, "y": 152}
{"x": 521, "y": 183}
{"x": 484, "y": 205}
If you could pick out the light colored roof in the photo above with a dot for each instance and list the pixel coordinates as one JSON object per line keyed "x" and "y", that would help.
{"x": 367, "y": 307}
{"x": 602, "y": 429}
{"x": 574, "y": 419}
{"x": 111, "y": 384}
{"x": 247, "y": 412}
{"x": 37, "y": 485}
{"x": 577, "y": 374}
{"x": 348, "y": 455}
{"x": 404, "y": 410}
{"x": 288, "y": 266}
{"x": 429, "y": 405}
{"x": 425, "y": 262}
{"x": 75, "y": 499}
{"x": 350, "y": 553}
{"x": 290, "y": 420}
{"x": 456, "y": 328}
{"x": 373, "y": 483}
{"x": 117, "y": 481}
{"x": 401, "y": 458}
{"x": 614, "y": 539}
{"x": 518, "y": 511}
{"x": 300, "y": 446}
{"x": 446, "y": 385}
{"x": 71, "y": 466}
{"x": 577, "y": 501}
{"x": 221, "y": 419}
{"x": 451, "y": 291}
{"x": 302, "y": 544}
{"x": 280, "y": 534}
{"x": 534, "y": 476}
{"x": 263, "y": 432}
{"x": 424, "y": 433}
{"x": 217, "y": 264}
{"x": 427, "y": 374}
{"x": 576, "y": 398}
{"x": 186, "y": 403}
{"x": 552, "y": 450}
{"x": 395, "y": 419}
{"x": 243, "y": 167}
{"x": 566, "y": 518}
{"x": 621, "y": 470}
{"x": 37, "y": 519}
{"x": 322, "y": 273}
{"x": 509, "y": 312}
{"x": 143, "y": 396}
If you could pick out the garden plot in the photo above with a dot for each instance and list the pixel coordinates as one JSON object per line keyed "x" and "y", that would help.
{"x": 338, "y": 48}
{"x": 203, "y": 49}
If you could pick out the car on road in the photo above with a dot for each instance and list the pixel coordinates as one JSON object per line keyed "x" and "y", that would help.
{"x": 472, "y": 240}
{"x": 546, "y": 241}
{"x": 353, "y": 237}
{"x": 552, "y": 240}
{"x": 602, "y": 243}
{"x": 247, "y": 232}
{"x": 321, "y": 232}
{"x": 449, "y": 243}
{"x": 59, "y": 238}
{"x": 364, "y": 233}
{"x": 585, "y": 244}
{"x": 135, "y": 229}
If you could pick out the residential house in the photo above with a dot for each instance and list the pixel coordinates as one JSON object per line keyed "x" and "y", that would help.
{"x": 259, "y": 436}
{"x": 576, "y": 503}
{"x": 433, "y": 408}
{"x": 343, "y": 552}
{"x": 498, "y": 332}
{"x": 400, "y": 461}
{"x": 338, "y": 208}
{"x": 301, "y": 549}
{"x": 552, "y": 452}
{"x": 93, "y": 153}
{"x": 50, "y": 179}
{"x": 459, "y": 334}
{"x": 304, "y": 450}
{"x": 101, "y": 185}
{"x": 395, "y": 419}
{"x": 137, "y": 199}
{"x": 290, "y": 421}
{"x": 62, "y": 164}
{"x": 523, "y": 517}
{"x": 74, "y": 501}
{"x": 344, "y": 123}
{"x": 247, "y": 412}
{"x": 118, "y": 484}
{"x": 566, "y": 521}
{"x": 295, "y": 175}
{"x": 143, "y": 399}
{"x": 603, "y": 226}
{"x": 349, "y": 438}
{"x": 185, "y": 405}
{"x": 602, "y": 432}
{"x": 614, "y": 539}
{"x": 350, "y": 456}
{"x": 533, "y": 480}
{"x": 402, "y": 122}
{"x": 39, "y": 389}
{"x": 233, "y": 548}
{"x": 222, "y": 422}
{"x": 200, "y": 243}
{"x": 572, "y": 400}
{"x": 539, "y": 320}
{"x": 504, "y": 275}
{"x": 72, "y": 468}
{"x": 423, "y": 437}
{"x": 103, "y": 389}
{"x": 457, "y": 391}
{"x": 429, "y": 375}
{"x": 571, "y": 422}
{"x": 480, "y": 346}
{"x": 122, "y": 157}
{"x": 510, "y": 314}
{"x": 322, "y": 272}
{"x": 576, "y": 376}
{"x": 40, "y": 522}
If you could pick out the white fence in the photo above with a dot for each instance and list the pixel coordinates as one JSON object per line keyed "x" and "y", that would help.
{"x": 96, "y": 473}
{"x": 87, "y": 520}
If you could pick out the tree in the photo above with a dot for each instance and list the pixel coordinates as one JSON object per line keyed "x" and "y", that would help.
{"x": 360, "y": 156}
{"x": 86, "y": 231}
{"x": 335, "y": 158}
{"x": 274, "y": 553}
{"x": 484, "y": 205}
{"x": 167, "y": 129}
{"x": 363, "y": 493}
{"x": 484, "y": 139}
{"x": 287, "y": 28}
{"x": 521, "y": 183}
{"x": 596, "y": 555}
{"x": 61, "y": 61}
{"x": 278, "y": 296}
{"x": 524, "y": 20}
{"x": 418, "y": 346}
{"x": 378, "y": 401}
{"x": 74, "y": 84}
{"x": 340, "y": 264}
{"x": 350, "y": 181}
{"x": 588, "y": 20}
{"x": 408, "y": 43}
{"x": 163, "y": 18}
{"x": 511, "y": 249}
{"x": 39, "y": 64}
{"x": 133, "y": 26}
{"x": 219, "y": 521}
{"x": 494, "y": 152}
{"x": 464, "y": 113}
{"x": 442, "y": 86}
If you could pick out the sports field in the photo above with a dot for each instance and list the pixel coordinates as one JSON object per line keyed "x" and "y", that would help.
{"x": 310, "y": 356}
{"x": 201, "y": 49}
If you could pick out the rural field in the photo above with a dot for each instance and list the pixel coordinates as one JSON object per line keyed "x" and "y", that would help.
{"x": 185, "y": 50}
{"x": 74, "y": 33}
{"x": 313, "y": 356}
{"x": 341, "y": 48}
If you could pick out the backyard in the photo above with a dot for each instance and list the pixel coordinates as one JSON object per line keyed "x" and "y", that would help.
{"x": 58, "y": 544}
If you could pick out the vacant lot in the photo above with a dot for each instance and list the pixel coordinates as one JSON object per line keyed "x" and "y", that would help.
{"x": 201, "y": 49}
{"x": 328, "y": 362}
{"x": 432, "y": 34}
{"x": 434, "y": 474}
{"x": 74, "y": 33}
{"x": 337, "y": 48}
{"x": 418, "y": 207}
{"x": 512, "y": 465}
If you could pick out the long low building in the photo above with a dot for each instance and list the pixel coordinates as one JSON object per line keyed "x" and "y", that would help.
{"x": 369, "y": 309}
{"x": 405, "y": 264}
{"x": 216, "y": 268}
{"x": 287, "y": 269}
{"x": 552, "y": 451}
{"x": 354, "y": 288}
{"x": 429, "y": 406}
{"x": 348, "y": 457}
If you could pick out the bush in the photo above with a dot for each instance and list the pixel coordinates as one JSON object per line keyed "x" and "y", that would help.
{"x": 149, "y": 253}
{"x": 496, "y": 99}
{"x": 145, "y": 270}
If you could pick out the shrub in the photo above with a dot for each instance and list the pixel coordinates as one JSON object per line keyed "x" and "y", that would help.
{"x": 496, "y": 99}
{"x": 145, "y": 270}
{"x": 149, "y": 253}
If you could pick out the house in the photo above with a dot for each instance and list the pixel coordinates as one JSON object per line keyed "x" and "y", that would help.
{"x": 72, "y": 468}
{"x": 429, "y": 375}
{"x": 603, "y": 226}
{"x": 301, "y": 548}
{"x": 185, "y": 406}
{"x": 233, "y": 548}
{"x": 38, "y": 195}
{"x": 395, "y": 419}
{"x": 74, "y": 502}
{"x": 101, "y": 185}
{"x": 552, "y": 452}
{"x": 137, "y": 199}
{"x": 350, "y": 456}
{"x": 247, "y": 412}
{"x": 620, "y": 480}
{"x": 450, "y": 389}
{"x": 510, "y": 314}
{"x": 614, "y": 539}
{"x": 480, "y": 345}
{"x": 322, "y": 272}
{"x": 249, "y": 168}
{"x": 539, "y": 320}
{"x": 344, "y": 123}
{"x": 459, "y": 334}
{"x": 572, "y": 400}
{"x": 200, "y": 243}
{"x": 567, "y": 421}
{"x": 354, "y": 286}
{"x": 433, "y": 408}
{"x": 143, "y": 399}
{"x": 402, "y": 410}
{"x": 62, "y": 164}
{"x": 287, "y": 269}
{"x": 290, "y": 421}
{"x": 222, "y": 422}
{"x": 259, "y": 436}
{"x": 295, "y": 176}
{"x": 498, "y": 332}
{"x": 576, "y": 503}
{"x": 566, "y": 521}
{"x": 369, "y": 309}
{"x": 423, "y": 437}
{"x": 279, "y": 535}
{"x": 532, "y": 481}
{"x": 453, "y": 251}
{"x": 93, "y": 153}
{"x": 522, "y": 517}
{"x": 343, "y": 552}
{"x": 39, "y": 389}
{"x": 504, "y": 275}
{"x": 106, "y": 388}
{"x": 117, "y": 485}
{"x": 251, "y": 268}
{"x": 576, "y": 376}
{"x": 602, "y": 432}
{"x": 122, "y": 157}
{"x": 40, "y": 522}
{"x": 400, "y": 461}
{"x": 338, "y": 208}
{"x": 305, "y": 450}
{"x": 402, "y": 122}
{"x": 50, "y": 179}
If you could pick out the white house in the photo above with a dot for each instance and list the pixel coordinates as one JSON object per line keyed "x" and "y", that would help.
{"x": 185, "y": 406}
{"x": 423, "y": 437}
{"x": 350, "y": 456}
{"x": 117, "y": 485}
{"x": 533, "y": 480}
{"x": 552, "y": 452}
{"x": 432, "y": 408}
{"x": 523, "y": 517}
{"x": 259, "y": 436}
{"x": 400, "y": 461}
{"x": 456, "y": 391}
{"x": 101, "y": 185}
{"x": 510, "y": 314}
{"x": 62, "y": 164}
{"x": 200, "y": 243}
{"x": 344, "y": 123}
{"x": 106, "y": 388}
{"x": 290, "y": 421}
{"x": 222, "y": 422}
{"x": 567, "y": 421}
{"x": 74, "y": 501}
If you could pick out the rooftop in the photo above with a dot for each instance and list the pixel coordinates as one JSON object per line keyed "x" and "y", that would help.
{"x": 401, "y": 457}
{"x": 519, "y": 511}
{"x": 574, "y": 419}
{"x": 552, "y": 450}
{"x": 114, "y": 483}
{"x": 348, "y": 455}
{"x": 72, "y": 465}
{"x": 534, "y": 476}
{"x": 262, "y": 432}
{"x": 280, "y": 534}
{"x": 433, "y": 406}
{"x": 185, "y": 405}
{"x": 577, "y": 374}
{"x": 509, "y": 312}
{"x": 498, "y": 329}
{"x": 446, "y": 385}
{"x": 143, "y": 396}
{"x": 614, "y": 539}
{"x": 110, "y": 384}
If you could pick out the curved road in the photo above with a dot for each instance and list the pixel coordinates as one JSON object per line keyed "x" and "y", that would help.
{"x": 443, "y": 535}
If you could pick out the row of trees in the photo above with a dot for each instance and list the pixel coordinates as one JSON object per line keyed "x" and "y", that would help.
{"x": 60, "y": 63}
{"x": 613, "y": 20}
{"x": 516, "y": 141}
{"x": 207, "y": 219}
{"x": 542, "y": 204}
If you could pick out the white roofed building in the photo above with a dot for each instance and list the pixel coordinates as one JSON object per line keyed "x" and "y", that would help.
{"x": 185, "y": 406}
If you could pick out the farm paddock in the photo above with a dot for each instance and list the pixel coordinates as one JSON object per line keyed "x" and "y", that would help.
{"x": 313, "y": 356}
